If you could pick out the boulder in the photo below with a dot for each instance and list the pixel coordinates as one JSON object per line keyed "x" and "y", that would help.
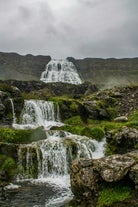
{"x": 123, "y": 141}
{"x": 121, "y": 119}
{"x": 87, "y": 175}
{"x": 114, "y": 167}
{"x": 127, "y": 135}
{"x": 133, "y": 174}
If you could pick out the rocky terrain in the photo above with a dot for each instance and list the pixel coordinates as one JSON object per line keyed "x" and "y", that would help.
{"x": 85, "y": 110}
{"x": 96, "y": 70}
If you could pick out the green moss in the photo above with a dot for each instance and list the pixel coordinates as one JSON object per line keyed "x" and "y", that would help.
{"x": 112, "y": 194}
{"x": 133, "y": 119}
{"x": 75, "y": 120}
{"x": 42, "y": 94}
{"x": 21, "y": 136}
{"x": 112, "y": 112}
{"x": 8, "y": 165}
{"x": 6, "y": 88}
{"x": 95, "y": 132}
{"x": 71, "y": 129}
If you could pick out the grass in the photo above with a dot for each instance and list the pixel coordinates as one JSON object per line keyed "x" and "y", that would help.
{"x": 112, "y": 194}
{"x": 18, "y": 136}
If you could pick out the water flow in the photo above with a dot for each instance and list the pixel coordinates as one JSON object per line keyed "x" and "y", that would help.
{"x": 13, "y": 111}
{"x": 39, "y": 113}
{"x": 53, "y": 156}
{"x": 61, "y": 71}
{"x": 49, "y": 161}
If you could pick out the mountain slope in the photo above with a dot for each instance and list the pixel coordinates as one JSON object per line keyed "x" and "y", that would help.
{"x": 96, "y": 70}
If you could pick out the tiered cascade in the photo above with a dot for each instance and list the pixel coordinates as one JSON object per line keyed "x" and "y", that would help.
{"x": 53, "y": 156}
{"x": 48, "y": 161}
{"x": 61, "y": 71}
{"x": 39, "y": 113}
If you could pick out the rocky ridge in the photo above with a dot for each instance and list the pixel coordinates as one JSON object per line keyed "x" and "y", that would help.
{"x": 109, "y": 72}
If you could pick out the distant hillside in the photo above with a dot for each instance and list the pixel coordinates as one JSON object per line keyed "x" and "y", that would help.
{"x": 96, "y": 70}
{"x": 108, "y": 71}
{"x": 28, "y": 67}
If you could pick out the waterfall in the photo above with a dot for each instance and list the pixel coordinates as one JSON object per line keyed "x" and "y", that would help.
{"x": 53, "y": 156}
{"x": 47, "y": 162}
{"x": 61, "y": 71}
{"x": 13, "y": 111}
{"x": 39, "y": 113}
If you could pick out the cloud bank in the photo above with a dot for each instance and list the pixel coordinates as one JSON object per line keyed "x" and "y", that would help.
{"x": 78, "y": 28}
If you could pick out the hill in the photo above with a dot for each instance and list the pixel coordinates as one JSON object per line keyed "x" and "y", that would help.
{"x": 96, "y": 70}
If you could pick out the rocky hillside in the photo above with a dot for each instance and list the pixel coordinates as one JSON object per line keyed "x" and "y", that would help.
{"x": 96, "y": 70}
{"x": 108, "y": 71}
{"x": 18, "y": 67}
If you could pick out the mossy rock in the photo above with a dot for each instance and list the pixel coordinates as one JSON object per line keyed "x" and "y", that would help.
{"x": 95, "y": 132}
{"x": 7, "y": 167}
{"x": 18, "y": 136}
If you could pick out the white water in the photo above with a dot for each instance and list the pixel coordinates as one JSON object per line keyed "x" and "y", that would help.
{"x": 61, "y": 71}
{"x": 39, "y": 113}
{"x": 13, "y": 111}
{"x": 54, "y": 156}
{"x": 49, "y": 160}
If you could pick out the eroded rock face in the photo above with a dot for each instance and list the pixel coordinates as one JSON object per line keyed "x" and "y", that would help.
{"x": 88, "y": 174}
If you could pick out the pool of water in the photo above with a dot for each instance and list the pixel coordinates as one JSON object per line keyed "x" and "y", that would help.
{"x": 35, "y": 194}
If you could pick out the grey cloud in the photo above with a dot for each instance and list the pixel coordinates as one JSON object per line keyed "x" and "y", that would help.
{"x": 99, "y": 28}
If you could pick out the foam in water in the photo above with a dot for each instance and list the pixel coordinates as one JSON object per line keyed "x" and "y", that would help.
{"x": 39, "y": 113}
{"x": 53, "y": 156}
{"x": 61, "y": 71}
{"x": 51, "y": 159}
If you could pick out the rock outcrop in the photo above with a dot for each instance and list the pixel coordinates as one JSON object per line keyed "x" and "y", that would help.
{"x": 87, "y": 175}
{"x": 123, "y": 141}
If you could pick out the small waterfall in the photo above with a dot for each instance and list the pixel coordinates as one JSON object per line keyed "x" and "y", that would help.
{"x": 13, "y": 111}
{"x": 52, "y": 157}
{"x": 61, "y": 71}
{"x": 39, "y": 113}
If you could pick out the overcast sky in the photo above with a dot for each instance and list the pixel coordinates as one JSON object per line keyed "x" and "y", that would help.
{"x": 62, "y": 28}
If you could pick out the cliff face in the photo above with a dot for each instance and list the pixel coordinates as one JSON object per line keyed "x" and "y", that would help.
{"x": 96, "y": 70}
{"x": 108, "y": 71}
{"x": 15, "y": 66}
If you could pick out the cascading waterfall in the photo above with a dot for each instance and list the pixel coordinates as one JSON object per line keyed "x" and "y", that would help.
{"x": 61, "y": 71}
{"x": 47, "y": 162}
{"x": 13, "y": 111}
{"x": 53, "y": 156}
{"x": 39, "y": 113}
